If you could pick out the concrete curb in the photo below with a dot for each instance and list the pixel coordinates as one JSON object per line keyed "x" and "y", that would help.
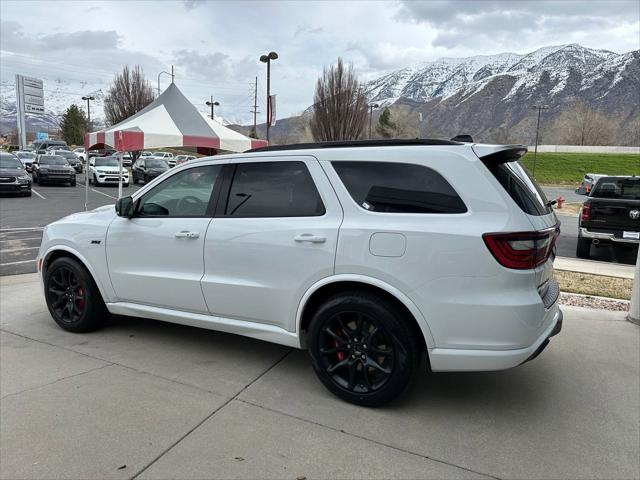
{"x": 594, "y": 267}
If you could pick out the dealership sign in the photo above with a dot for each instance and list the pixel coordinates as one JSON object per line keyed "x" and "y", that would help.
{"x": 29, "y": 100}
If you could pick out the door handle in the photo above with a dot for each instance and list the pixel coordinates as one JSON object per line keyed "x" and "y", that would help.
{"x": 308, "y": 237}
{"x": 187, "y": 234}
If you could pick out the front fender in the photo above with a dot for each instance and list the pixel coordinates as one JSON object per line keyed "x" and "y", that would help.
{"x": 422, "y": 322}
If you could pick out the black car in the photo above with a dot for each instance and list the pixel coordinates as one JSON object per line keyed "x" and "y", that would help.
{"x": 70, "y": 157}
{"x": 147, "y": 169}
{"x": 611, "y": 215}
{"x": 53, "y": 169}
{"x": 13, "y": 176}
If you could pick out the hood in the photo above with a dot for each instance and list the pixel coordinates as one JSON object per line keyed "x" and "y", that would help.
{"x": 12, "y": 172}
{"x": 99, "y": 214}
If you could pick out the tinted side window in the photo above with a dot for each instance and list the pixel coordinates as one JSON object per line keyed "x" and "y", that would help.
{"x": 398, "y": 188}
{"x": 185, "y": 194}
{"x": 273, "y": 189}
{"x": 521, "y": 188}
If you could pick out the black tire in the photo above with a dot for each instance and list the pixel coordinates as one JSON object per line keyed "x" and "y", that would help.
{"x": 95, "y": 180}
{"x": 72, "y": 297}
{"x": 135, "y": 180}
{"x": 73, "y": 182}
{"x": 146, "y": 179}
{"x": 583, "y": 248}
{"x": 27, "y": 193}
{"x": 342, "y": 356}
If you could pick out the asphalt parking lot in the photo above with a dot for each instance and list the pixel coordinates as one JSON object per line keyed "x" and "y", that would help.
{"x": 146, "y": 399}
{"x": 22, "y": 219}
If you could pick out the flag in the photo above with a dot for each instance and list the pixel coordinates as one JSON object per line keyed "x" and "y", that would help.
{"x": 272, "y": 110}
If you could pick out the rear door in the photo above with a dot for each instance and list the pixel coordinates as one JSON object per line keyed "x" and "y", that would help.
{"x": 273, "y": 236}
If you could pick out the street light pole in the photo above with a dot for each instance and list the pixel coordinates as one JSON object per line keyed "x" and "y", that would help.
{"x": 267, "y": 59}
{"x": 166, "y": 73}
{"x": 88, "y": 98}
{"x": 535, "y": 151}
{"x": 212, "y": 104}
{"x": 371, "y": 107}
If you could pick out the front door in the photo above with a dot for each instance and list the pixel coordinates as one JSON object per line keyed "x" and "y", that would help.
{"x": 274, "y": 235}
{"x": 155, "y": 258}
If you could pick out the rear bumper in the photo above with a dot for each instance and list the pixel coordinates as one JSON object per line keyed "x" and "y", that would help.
{"x": 452, "y": 360}
{"x": 606, "y": 237}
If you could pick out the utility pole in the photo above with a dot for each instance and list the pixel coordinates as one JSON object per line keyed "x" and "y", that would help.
{"x": 88, "y": 98}
{"x": 255, "y": 107}
{"x": 535, "y": 152}
{"x": 371, "y": 107}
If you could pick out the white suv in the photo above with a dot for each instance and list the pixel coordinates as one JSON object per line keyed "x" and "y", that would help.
{"x": 371, "y": 255}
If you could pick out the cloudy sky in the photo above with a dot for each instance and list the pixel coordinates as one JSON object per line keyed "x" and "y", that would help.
{"x": 214, "y": 46}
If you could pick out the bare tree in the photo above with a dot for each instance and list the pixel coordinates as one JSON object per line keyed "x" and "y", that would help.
{"x": 340, "y": 107}
{"x": 585, "y": 126}
{"x": 129, "y": 93}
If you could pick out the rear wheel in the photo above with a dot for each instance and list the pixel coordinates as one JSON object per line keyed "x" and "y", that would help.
{"x": 27, "y": 193}
{"x": 362, "y": 348}
{"x": 73, "y": 298}
{"x": 583, "y": 248}
{"x": 95, "y": 180}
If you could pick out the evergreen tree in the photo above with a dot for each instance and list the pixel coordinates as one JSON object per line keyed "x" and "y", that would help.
{"x": 386, "y": 127}
{"x": 74, "y": 125}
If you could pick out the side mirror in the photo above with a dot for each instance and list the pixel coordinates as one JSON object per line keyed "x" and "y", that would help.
{"x": 125, "y": 207}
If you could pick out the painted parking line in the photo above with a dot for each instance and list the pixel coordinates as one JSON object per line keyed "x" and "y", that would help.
{"x": 18, "y": 229}
{"x": 17, "y": 263}
{"x": 102, "y": 193}
{"x": 38, "y": 194}
{"x": 13, "y": 250}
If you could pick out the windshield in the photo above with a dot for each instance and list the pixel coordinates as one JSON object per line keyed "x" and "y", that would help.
{"x": 52, "y": 160}
{"x": 107, "y": 162}
{"x": 8, "y": 161}
{"x": 67, "y": 155}
{"x": 624, "y": 188}
{"x": 152, "y": 163}
{"x": 26, "y": 155}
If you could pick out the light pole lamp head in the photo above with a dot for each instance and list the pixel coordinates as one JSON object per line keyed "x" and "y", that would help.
{"x": 374, "y": 105}
{"x": 264, "y": 58}
{"x": 273, "y": 55}
{"x": 208, "y": 104}
{"x": 88, "y": 98}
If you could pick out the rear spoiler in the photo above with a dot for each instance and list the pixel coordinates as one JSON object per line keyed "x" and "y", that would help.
{"x": 492, "y": 155}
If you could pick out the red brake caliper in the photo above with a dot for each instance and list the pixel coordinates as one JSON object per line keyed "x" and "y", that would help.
{"x": 341, "y": 355}
{"x": 81, "y": 299}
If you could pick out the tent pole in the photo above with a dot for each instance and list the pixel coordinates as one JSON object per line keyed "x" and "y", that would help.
{"x": 86, "y": 179}
{"x": 120, "y": 176}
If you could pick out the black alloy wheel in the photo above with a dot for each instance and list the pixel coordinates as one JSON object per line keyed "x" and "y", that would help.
{"x": 73, "y": 298}
{"x": 363, "y": 348}
{"x": 355, "y": 352}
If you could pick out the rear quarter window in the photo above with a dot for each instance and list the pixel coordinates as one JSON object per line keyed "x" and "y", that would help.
{"x": 398, "y": 188}
{"x": 521, "y": 188}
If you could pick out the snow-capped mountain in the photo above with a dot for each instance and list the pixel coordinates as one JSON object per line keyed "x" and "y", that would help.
{"x": 491, "y": 96}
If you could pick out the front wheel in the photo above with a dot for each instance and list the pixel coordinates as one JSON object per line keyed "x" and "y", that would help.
{"x": 362, "y": 348}
{"x": 73, "y": 298}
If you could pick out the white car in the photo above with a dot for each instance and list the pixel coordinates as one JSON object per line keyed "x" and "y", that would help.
{"x": 372, "y": 257}
{"x": 80, "y": 153}
{"x": 104, "y": 170}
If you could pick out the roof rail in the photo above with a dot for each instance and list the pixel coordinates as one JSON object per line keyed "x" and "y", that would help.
{"x": 356, "y": 143}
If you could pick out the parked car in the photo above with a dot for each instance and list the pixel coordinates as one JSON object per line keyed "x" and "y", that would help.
{"x": 371, "y": 255}
{"x": 41, "y": 146}
{"x": 80, "y": 153}
{"x": 52, "y": 169}
{"x": 610, "y": 216}
{"x": 146, "y": 169}
{"x": 167, "y": 157}
{"x": 588, "y": 182}
{"x": 13, "y": 175}
{"x": 146, "y": 154}
{"x": 180, "y": 159}
{"x": 27, "y": 158}
{"x": 52, "y": 148}
{"x": 70, "y": 157}
{"x": 104, "y": 170}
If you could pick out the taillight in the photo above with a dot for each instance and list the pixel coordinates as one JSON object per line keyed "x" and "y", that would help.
{"x": 585, "y": 213}
{"x": 522, "y": 250}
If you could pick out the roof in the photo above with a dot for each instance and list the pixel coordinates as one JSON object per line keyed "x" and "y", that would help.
{"x": 357, "y": 143}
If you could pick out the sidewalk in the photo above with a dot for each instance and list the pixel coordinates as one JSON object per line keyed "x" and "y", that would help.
{"x": 148, "y": 399}
{"x": 593, "y": 267}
